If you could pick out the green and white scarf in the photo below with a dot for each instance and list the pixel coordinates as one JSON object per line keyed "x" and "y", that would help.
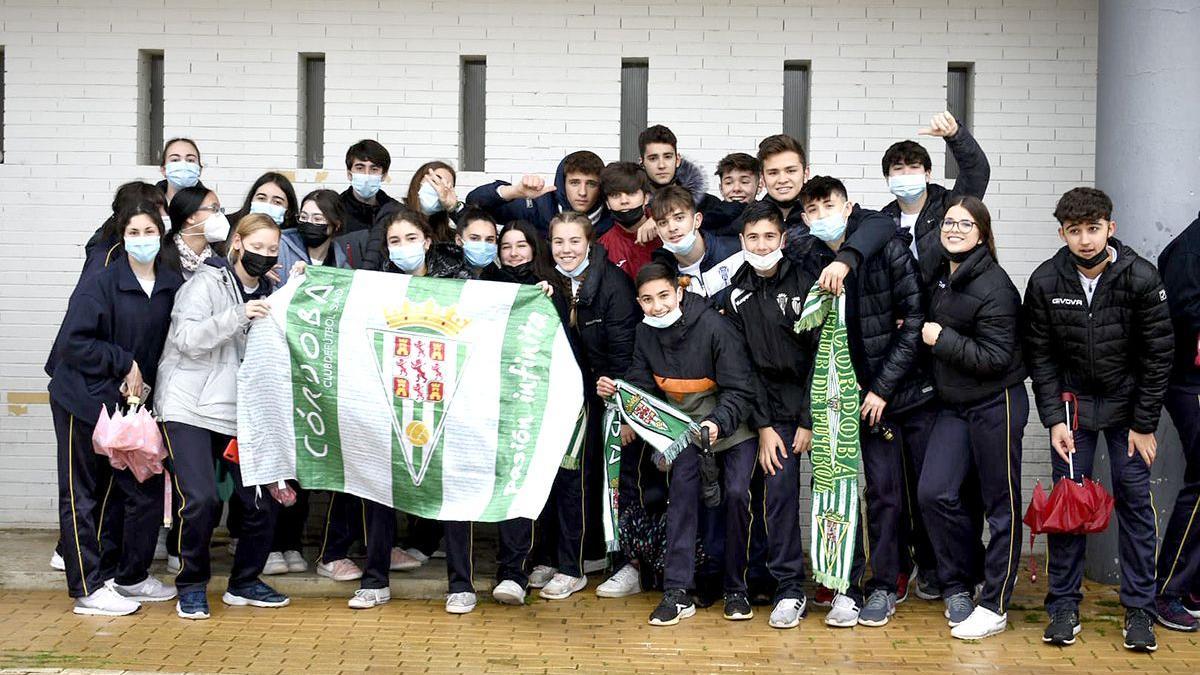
{"x": 663, "y": 427}
{"x": 835, "y": 443}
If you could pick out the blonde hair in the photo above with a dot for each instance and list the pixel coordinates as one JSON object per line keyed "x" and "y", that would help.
{"x": 248, "y": 225}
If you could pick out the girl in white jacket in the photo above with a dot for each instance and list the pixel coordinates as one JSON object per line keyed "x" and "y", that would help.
{"x": 197, "y": 399}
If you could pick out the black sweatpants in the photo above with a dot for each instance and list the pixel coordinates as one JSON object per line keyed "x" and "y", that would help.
{"x": 1136, "y": 537}
{"x": 884, "y": 466}
{"x": 91, "y": 495}
{"x": 289, "y": 526}
{"x": 558, "y": 542}
{"x": 380, "y": 536}
{"x": 781, "y": 506}
{"x": 1179, "y": 557}
{"x": 989, "y": 432}
{"x": 516, "y": 539}
{"x": 192, "y": 453}
{"x": 683, "y": 509}
{"x": 345, "y": 522}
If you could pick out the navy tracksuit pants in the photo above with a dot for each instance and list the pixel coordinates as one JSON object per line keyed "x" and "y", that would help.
{"x": 1179, "y": 558}
{"x": 516, "y": 540}
{"x": 989, "y": 432}
{"x": 884, "y": 467}
{"x": 92, "y": 496}
{"x": 1136, "y": 536}
{"x": 560, "y": 528}
{"x": 192, "y": 453}
{"x": 683, "y": 515}
{"x": 781, "y": 507}
{"x": 349, "y": 518}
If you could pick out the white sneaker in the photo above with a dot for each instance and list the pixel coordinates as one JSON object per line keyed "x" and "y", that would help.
{"x": 507, "y": 592}
{"x": 276, "y": 564}
{"x": 844, "y": 612}
{"x": 160, "y": 547}
{"x": 366, "y": 598}
{"x": 149, "y": 589}
{"x": 787, "y": 613}
{"x": 106, "y": 602}
{"x": 627, "y": 581}
{"x": 562, "y": 586}
{"x": 416, "y": 553}
{"x": 295, "y": 561}
{"x": 460, "y": 603}
{"x": 541, "y": 575}
{"x": 982, "y": 623}
{"x": 57, "y": 562}
{"x": 173, "y": 564}
{"x": 593, "y": 566}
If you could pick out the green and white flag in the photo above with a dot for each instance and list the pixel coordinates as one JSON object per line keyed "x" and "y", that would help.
{"x": 836, "y": 454}
{"x": 447, "y": 399}
{"x": 662, "y": 426}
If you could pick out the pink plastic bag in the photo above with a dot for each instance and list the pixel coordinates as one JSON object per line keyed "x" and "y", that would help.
{"x": 130, "y": 441}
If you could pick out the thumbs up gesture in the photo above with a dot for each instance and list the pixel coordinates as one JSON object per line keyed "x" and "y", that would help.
{"x": 943, "y": 124}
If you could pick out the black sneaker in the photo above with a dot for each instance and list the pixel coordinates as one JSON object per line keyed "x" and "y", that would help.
{"x": 737, "y": 607}
{"x": 1139, "y": 631}
{"x": 1064, "y": 626}
{"x": 676, "y": 604}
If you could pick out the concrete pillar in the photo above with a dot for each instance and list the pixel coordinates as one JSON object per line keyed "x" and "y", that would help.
{"x": 1148, "y": 161}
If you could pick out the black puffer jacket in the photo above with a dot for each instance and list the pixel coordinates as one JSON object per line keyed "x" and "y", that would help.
{"x": 1179, "y": 265}
{"x": 606, "y": 316}
{"x": 883, "y": 289}
{"x": 719, "y": 217}
{"x": 978, "y": 353}
{"x": 700, "y": 364}
{"x": 1114, "y": 354}
{"x": 765, "y": 311}
{"x": 974, "y": 172}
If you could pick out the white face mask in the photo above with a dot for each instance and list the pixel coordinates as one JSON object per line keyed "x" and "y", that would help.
{"x": 431, "y": 202}
{"x": 764, "y": 263}
{"x": 574, "y": 274}
{"x": 907, "y": 187}
{"x": 665, "y": 321}
{"x": 216, "y": 228}
{"x": 683, "y": 246}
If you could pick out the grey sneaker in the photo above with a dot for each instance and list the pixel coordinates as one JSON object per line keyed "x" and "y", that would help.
{"x": 958, "y": 608}
{"x": 881, "y": 605}
{"x": 844, "y": 612}
{"x": 787, "y": 613}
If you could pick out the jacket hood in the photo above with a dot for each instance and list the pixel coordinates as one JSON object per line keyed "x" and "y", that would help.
{"x": 691, "y": 176}
{"x": 564, "y": 204}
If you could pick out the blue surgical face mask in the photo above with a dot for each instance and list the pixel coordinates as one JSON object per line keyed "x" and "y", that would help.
{"x": 830, "y": 228}
{"x": 479, "y": 253}
{"x": 431, "y": 203}
{"x": 408, "y": 257}
{"x": 683, "y": 246}
{"x": 574, "y": 274}
{"x": 182, "y": 174}
{"x": 907, "y": 187}
{"x": 366, "y": 184}
{"x": 142, "y": 249}
{"x": 665, "y": 321}
{"x": 275, "y": 211}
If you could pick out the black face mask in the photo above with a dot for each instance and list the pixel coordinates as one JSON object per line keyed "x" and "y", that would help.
{"x": 312, "y": 234}
{"x": 628, "y": 217}
{"x": 521, "y": 271}
{"x": 1089, "y": 263}
{"x": 257, "y": 265}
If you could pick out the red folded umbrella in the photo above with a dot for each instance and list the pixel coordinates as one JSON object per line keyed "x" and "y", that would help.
{"x": 1083, "y": 507}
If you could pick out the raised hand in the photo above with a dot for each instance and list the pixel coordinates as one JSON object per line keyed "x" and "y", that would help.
{"x": 943, "y": 124}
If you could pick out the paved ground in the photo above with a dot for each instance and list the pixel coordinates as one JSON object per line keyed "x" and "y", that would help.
{"x": 584, "y": 633}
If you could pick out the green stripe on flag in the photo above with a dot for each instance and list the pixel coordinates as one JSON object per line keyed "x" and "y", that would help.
{"x": 525, "y": 384}
{"x": 312, "y": 320}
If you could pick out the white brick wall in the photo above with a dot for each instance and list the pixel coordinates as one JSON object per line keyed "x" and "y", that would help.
{"x": 553, "y": 79}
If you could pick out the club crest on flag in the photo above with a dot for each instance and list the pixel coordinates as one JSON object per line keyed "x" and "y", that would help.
{"x": 420, "y": 359}
{"x": 834, "y": 526}
{"x": 637, "y": 408}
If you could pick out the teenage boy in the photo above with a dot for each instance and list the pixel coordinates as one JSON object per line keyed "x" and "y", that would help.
{"x": 741, "y": 177}
{"x": 576, "y": 187}
{"x": 367, "y": 164}
{"x": 920, "y": 204}
{"x": 884, "y": 318}
{"x": 664, "y": 166}
{"x": 626, "y": 193}
{"x": 1178, "y": 602}
{"x": 709, "y": 260}
{"x": 1098, "y": 335}
{"x": 765, "y": 300}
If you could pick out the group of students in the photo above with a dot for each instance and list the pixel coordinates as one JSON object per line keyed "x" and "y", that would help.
{"x": 665, "y": 286}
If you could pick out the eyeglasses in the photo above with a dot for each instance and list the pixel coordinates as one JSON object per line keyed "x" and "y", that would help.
{"x": 963, "y": 226}
{"x": 215, "y": 208}
{"x": 316, "y": 220}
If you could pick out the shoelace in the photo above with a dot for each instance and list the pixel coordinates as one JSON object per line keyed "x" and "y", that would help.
{"x": 878, "y": 600}
{"x": 960, "y": 601}
{"x": 624, "y": 574}
{"x": 1138, "y": 619}
{"x": 1063, "y": 616}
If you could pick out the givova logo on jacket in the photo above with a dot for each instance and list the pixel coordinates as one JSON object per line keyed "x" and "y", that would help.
{"x": 419, "y": 364}
{"x": 1069, "y": 302}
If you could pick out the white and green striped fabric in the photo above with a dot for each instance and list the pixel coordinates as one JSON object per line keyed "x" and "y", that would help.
{"x": 451, "y": 400}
